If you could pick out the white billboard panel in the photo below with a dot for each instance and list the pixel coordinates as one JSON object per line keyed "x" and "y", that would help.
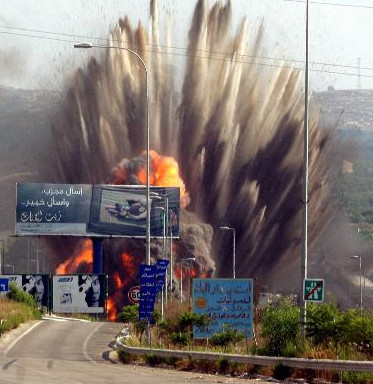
{"x": 79, "y": 293}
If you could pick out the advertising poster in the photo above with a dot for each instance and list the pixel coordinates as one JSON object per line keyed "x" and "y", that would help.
{"x": 79, "y": 293}
{"x": 95, "y": 210}
{"x": 36, "y": 285}
{"x": 52, "y": 209}
{"x": 228, "y": 302}
{"x": 122, "y": 210}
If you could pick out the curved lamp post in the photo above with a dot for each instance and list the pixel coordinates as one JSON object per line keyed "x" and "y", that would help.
{"x": 234, "y": 249}
{"x": 89, "y": 45}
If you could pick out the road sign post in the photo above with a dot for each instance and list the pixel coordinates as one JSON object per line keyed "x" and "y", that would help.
{"x": 313, "y": 290}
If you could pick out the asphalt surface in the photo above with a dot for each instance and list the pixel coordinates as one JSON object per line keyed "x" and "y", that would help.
{"x": 57, "y": 350}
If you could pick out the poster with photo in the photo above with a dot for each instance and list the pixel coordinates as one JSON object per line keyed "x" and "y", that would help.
{"x": 36, "y": 285}
{"x": 79, "y": 293}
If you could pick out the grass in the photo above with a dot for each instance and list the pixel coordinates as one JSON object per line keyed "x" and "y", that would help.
{"x": 13, "y": 313}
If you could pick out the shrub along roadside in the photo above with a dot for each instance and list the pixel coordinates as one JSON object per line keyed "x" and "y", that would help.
{"x": 330, "y": 333}
{"x": 16, "y": 308}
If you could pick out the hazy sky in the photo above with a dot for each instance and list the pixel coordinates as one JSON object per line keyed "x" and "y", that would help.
{"x": 340, "y": 32}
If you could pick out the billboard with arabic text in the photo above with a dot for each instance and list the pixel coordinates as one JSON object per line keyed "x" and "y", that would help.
{"x": 228, "y": 303}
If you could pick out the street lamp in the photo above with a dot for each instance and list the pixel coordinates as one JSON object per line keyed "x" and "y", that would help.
{"x": 181, "y": 275}
{"x": 304, "y": 200}
{"x": 89, "y": 45}
{"x": 234, "y": 249}
{"x": 361, "y": 287}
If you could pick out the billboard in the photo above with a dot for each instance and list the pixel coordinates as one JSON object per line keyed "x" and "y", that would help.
{"x": 79, "y": 293}
{"x": 93, "y": 210}
{"x": 121, "y": 210}
{"x": 228, "y": 302}
{"x": 36, "y": 285}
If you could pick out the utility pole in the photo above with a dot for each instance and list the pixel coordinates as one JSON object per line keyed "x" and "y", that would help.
{"x": 303, "y": 304}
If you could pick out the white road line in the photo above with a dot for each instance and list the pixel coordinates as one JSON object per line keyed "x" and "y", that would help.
{"x": 14, "y": 342}
{"x": 85, "y": 344}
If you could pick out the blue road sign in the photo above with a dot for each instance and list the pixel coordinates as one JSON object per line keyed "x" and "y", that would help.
{"x": 4, "y": 285}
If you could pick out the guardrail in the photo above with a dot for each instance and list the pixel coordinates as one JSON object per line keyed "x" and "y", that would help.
{"x": 314, "y": 364}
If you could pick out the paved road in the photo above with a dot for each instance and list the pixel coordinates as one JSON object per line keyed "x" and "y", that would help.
{"x": 57, "y": 351}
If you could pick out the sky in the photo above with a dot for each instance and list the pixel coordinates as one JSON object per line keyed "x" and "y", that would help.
{"x": 37, "y": 37}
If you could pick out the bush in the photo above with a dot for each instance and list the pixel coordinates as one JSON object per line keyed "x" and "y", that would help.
{"x": 125, "y": 357}
{"x": 280, "y": 325}
{"x": 154, "y": 360}
{"x": 325, "y": 324}
{"x": 180, "y": 338}
{"x": 129, "y": 314}
{"x": 281, "y": 372}
{"x": 20, "y": 296}
{"x": 229, "y": 336}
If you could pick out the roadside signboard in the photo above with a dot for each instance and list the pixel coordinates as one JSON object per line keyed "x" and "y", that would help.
{"x": 313, "y": 290}
{"x": 79, "y": 293}
{"x": 4, "y": 285}
{"x": 37, "y": 285}
{"x": 148, "y": 291}
{"x": 93, "y": 210}
{"x": 228, "y": 302}
{"x": 160, "y": 275}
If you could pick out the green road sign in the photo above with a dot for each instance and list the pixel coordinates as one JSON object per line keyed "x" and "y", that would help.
{"x": 313, "y": 290}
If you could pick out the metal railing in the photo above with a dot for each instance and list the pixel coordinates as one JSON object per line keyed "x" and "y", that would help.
{"x": 314, "y": 364}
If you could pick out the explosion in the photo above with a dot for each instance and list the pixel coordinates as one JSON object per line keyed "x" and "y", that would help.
{"x": 233, "y": 140}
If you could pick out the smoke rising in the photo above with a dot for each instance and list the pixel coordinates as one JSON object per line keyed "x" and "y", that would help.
{"x": 235, "y": 130}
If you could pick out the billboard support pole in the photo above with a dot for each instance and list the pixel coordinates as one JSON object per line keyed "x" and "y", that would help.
{"x": 97, "y": 255}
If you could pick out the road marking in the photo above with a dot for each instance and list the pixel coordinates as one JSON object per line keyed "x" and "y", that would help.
{"x": 85, "y": 344}
{"x": 11, "y": 345}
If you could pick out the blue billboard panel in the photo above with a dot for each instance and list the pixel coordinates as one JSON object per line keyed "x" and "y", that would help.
{"x": 160, "y": 275}
{"x": 52, "y": 209}
{"x": 148, "y": 290}
{"x": 228, "y": 302}
{"x": 99, "y": 210}
{"x": 4, "y": 285}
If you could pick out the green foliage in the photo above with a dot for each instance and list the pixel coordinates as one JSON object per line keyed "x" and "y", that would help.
{"x": 358, "y": 330}
{"x": 226, "y": 337}
{"x": 18, "y": 295}
{"x": 280, "y": 325}
{"x": 357, "y": 377}
{"x": 325, "y": 323}
{"x": 129, "y": 314}
{"x": 180, "y": 338}
{"x": 189, "y": 319}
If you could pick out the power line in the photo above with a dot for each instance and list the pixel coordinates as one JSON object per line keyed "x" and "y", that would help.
{"x": 203, "y": 51}
{"x": 106, "y": 41}
{"x": 332, "y": 4}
